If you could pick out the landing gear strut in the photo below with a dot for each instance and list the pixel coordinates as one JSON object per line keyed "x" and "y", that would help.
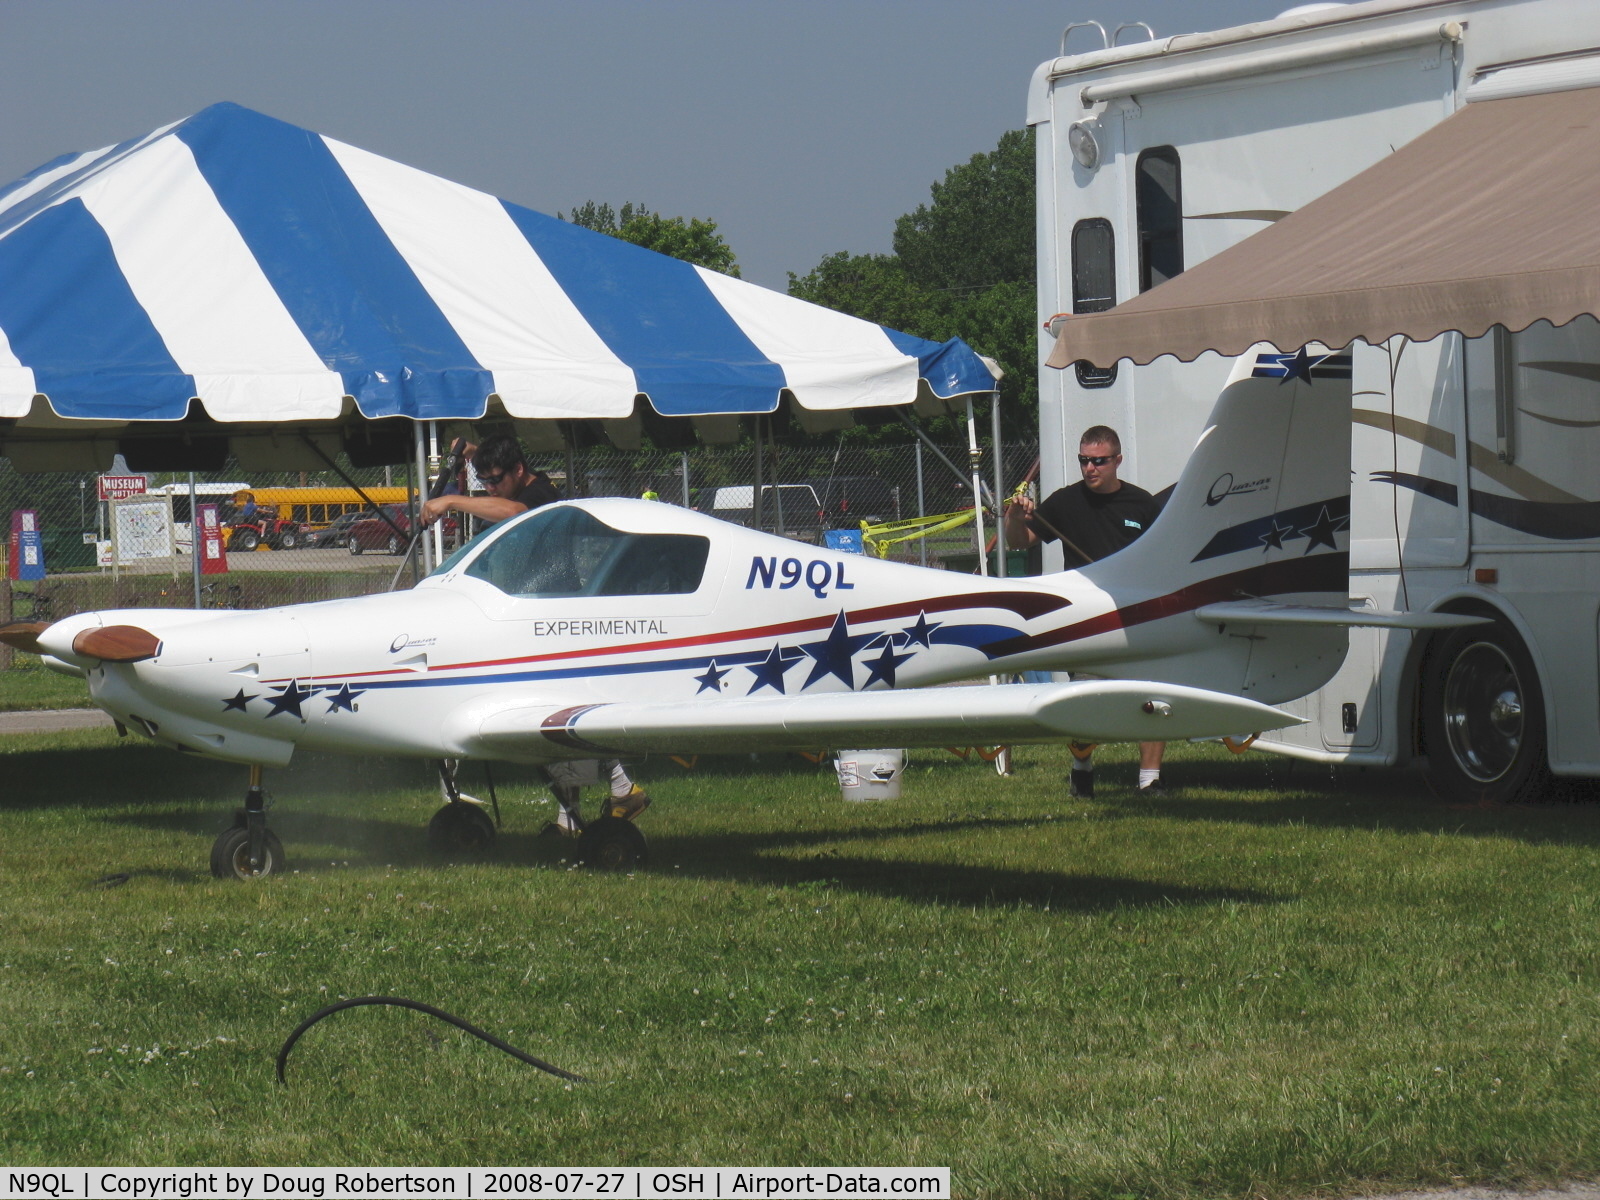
{"x": 248, "y": 850}
{"x": 461, "y": 826}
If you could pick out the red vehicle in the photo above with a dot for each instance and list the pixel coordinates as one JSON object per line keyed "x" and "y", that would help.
{"x": 374, "y": 533}
{"x": 250, "y": 527}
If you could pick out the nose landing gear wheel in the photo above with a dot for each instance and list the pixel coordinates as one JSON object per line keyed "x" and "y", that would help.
{"x": 461, "y": 828}
{"x": 613, "y": 844}
{"x": 230, "y": 855}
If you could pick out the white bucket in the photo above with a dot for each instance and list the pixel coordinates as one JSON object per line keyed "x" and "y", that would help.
{"x": 870, "y": 774}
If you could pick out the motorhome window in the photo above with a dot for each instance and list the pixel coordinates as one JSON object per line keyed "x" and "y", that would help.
{"x": 568, "y": 552}
{"x": 1158, "y": 200}
{"x": 1094, "y": 286}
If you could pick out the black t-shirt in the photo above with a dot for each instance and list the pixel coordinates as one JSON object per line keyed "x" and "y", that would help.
{"x": 537, "y": 494}
{"x": 1096, "y": 524}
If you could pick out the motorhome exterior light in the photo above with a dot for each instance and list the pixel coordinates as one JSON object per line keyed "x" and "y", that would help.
{"x": 1080, "y": 138}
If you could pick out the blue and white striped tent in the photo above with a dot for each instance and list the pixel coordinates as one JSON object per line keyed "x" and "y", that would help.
{"x": 232, "y": 271}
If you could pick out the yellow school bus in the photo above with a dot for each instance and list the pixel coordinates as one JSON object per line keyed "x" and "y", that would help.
{"x": 316, "y": 507}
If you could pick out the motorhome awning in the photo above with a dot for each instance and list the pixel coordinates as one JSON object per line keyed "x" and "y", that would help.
{"x": 232, "y": 270}
{"x": 1487, "y": 219}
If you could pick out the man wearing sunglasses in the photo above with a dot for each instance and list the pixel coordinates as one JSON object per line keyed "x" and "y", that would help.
{"x": 1093, "y": 518}
{"x": 514, "y": 488}
{"x": 504, "y": 473}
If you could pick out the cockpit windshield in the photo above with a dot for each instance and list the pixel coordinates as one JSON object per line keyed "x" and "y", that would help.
{"x": 567, "y": 552}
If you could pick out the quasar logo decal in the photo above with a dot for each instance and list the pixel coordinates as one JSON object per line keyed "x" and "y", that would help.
{"x": 404, "y": 641}
{"x": 1225, "y": 487}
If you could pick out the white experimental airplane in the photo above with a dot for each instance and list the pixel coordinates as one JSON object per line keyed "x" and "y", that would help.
{"x": 602, "y": 628}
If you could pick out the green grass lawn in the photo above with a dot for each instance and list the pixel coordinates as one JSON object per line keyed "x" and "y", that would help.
{"x": 27, "y": 685}
{"x": 1269, "y": 984}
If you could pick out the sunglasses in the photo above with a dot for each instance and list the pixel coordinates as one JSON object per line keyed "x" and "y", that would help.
{"x": 1094, "y": 460}
{"x": 491, "y": 481}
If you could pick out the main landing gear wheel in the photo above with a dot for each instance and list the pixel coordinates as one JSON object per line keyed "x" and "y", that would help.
{"x": 1483, "y": 718}
{"x": 613, "y": 844}
{"x": 461, "y": 827}
{"x": 230, "y": 855}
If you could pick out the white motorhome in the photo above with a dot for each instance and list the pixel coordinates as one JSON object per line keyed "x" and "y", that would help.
{"x": 1474, "y": 481}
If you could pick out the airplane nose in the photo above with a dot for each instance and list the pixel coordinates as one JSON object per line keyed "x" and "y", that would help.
{"x": 79, "y": 641}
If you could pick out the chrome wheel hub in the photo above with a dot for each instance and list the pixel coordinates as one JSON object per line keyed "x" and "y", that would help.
{"x": 1483, "y": 717}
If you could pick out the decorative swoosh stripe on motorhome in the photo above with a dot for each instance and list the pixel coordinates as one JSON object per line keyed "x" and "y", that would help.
{"x": 1562, "y": 522}
{"x": 1316, "y": 522}
{"x": 1283, "y": 577}
{"x": 1481, "y": 459}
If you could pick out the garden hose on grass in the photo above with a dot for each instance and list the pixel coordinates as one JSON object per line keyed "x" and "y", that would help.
{"x": 402, "y": 1002}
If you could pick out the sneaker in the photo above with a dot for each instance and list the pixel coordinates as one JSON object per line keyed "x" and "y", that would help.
{"x": 1152, "y": 791}
{"x": 630, "y": 806}
{"x": 567, "y": 824}
{"x": 1081, "y": 784}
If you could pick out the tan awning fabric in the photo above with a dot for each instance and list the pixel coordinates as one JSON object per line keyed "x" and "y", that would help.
{"x": 1489, "y": 218}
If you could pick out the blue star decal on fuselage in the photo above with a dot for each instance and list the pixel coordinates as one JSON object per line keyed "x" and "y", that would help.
{"x": 884, "y": 666}
{"x": 920, "y": 633}
{"x": 711, "y": 681}
{"x": 834, "y": 653}
{"x": 344, "y": 699}
{"x": 238, "y": 703}
{"x": 289, "y": 698}
{"x": 769, "y": 671}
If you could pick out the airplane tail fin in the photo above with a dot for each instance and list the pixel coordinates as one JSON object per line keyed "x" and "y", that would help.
{"x": 1262, "y": 508}
{"x": 1261, "y": 513}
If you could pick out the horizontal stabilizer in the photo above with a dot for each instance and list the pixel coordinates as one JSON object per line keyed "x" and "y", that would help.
{"x": 1101, "y": 710}
{"x": 1267, "y": 612}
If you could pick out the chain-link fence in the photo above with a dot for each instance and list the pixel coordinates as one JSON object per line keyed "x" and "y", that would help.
{"x": 290, "y": 538}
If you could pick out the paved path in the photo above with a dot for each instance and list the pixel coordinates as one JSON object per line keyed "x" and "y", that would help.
{"x": 53, "y": 721}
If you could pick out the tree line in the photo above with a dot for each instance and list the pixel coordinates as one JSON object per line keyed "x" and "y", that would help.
{"x": 962, "y": 266}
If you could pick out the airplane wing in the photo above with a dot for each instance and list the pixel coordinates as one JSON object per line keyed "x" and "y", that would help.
{"x": 1101, "y": 710}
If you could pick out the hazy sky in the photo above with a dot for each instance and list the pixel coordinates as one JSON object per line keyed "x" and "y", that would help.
{"x": 800, "y": 126}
